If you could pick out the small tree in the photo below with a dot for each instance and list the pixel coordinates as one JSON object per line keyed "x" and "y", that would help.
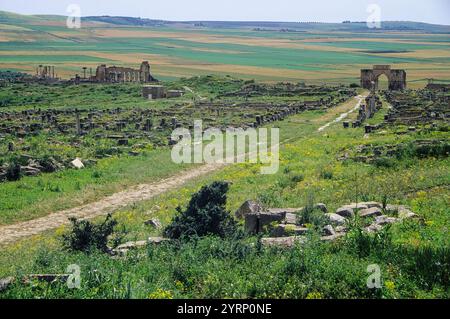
{"x": 85, "y": 235}
{"x": 205, "y": 215}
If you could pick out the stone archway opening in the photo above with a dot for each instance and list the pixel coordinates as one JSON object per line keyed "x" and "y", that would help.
{"x": 383, "y": 83}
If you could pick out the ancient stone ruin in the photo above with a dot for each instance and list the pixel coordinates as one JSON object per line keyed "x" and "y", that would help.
{"x": 153, "y": 92}
{"x": 115, "y": 74}
{"x": 366, "y": 111}
{"x": 372, "y": 154}
{"x": 284, "y": 227}
{"x": 417, "y": 107}
{"x": 396, "y": 78}
{"x": 45, "y": 72}
{"x": 130, "y": 130}
{"x": 437, "y": 86}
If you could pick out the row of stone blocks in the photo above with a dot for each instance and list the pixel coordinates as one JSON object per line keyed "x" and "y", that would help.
{"x": 286, "y": 230}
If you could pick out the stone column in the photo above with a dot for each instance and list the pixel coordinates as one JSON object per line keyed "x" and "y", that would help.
{"x": 78, "y": 124}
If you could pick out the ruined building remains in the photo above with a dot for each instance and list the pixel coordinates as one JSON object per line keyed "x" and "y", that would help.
{"x": 116, "y": 74}
{"x": 437, "y": 86}
{"x": 45, "y": 72}
{"x": 368, "y": 110}
{"x": 153, "y": 92}
{"x": 396, "y": 78}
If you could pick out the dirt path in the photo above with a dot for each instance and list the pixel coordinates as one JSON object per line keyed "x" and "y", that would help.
{"x": 342, "y": 116}
{"x": 104, "y": 206}
{"x": 201, "y": 98}
{"x": 11, "y": 233}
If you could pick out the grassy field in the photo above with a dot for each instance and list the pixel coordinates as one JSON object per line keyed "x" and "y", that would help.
{"x": 114, "y": 169}
{"x": 218, "y": 268}
{"x": 313, "y": 55}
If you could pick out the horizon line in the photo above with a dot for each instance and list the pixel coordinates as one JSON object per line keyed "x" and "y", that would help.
{"x": 187, "y": 21}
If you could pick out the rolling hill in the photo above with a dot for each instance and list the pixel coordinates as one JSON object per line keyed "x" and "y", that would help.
{"x": 268, "y": 51}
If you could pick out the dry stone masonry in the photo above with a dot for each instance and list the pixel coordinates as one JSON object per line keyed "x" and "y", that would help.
{"x": 284, "y": 229}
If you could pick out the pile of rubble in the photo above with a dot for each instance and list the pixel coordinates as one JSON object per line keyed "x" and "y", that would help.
{"x": 366, "y": 111}
{"x": 123, "y": 249}
{"x": 34, "y": 167}
{"x": 418, "y": 148}
{"x": 417, "y": 107}
{"x": 294, "y": 89}
{"x": 286, "y": 230}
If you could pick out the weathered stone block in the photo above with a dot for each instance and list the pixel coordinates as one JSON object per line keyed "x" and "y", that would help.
{"x": 370, "y": 204}
{"x": 248, "y": 207}
{"x": 322, "y": 207}
{"x": 336, "y": 219}
{"x": 255, "y": 222}
{"x": 374, "y": 228}
{"x": 328, "y": 230}
{"x": 384, "y": 220}
{"x": 282, "y": 242}
{"x": 370, "y": 212}
{"x": 356, "y": 206}
{"x": 291, "y": 218}
{"x": 154, "y": 222}
{"x": 283, "y": 230}
{"x": 77, "y": 163}
{"x": 6, "y": 282}
{"x": 346, "y": 212}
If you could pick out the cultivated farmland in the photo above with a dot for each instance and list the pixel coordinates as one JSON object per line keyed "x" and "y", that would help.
{"x": 313, "y": 53}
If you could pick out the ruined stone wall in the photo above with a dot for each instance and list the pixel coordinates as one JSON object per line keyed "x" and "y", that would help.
{"x": 116, "y": 74}
{"x": 100, "y": 74}
{"x": 397, "y": 80}
{"x": 438, "y": 87}
{"x": 367, "y": 78}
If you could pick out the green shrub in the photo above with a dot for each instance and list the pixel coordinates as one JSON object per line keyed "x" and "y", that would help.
{"x": 85, "y": 235}
{"x": 48, "y": 164}
{"x": 363, "y": 244}
{"x": 205, "y": 215}
{"x": 96, "y": 174}
{"x": 326, "y": 174}
{"x": 286, "y": 170}
{"x": 297, "y": 178}
{"x": 312, "y": 215}
{"x": 426, "y": 264}
{"x": 438, "y": 150}
{"x": 271, "y": 197}
{"x": 13, "y": 171}
{"x": 384, "y": 162}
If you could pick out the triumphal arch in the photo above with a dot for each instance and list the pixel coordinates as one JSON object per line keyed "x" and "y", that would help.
{"x": 396, "y": 78}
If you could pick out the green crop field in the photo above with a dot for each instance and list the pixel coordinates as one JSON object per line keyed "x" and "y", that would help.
{"x": 314, "y": 54}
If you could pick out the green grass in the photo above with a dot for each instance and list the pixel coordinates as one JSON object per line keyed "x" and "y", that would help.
{"x": 214, "y": 268}
{"x": 32, "y": 197}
